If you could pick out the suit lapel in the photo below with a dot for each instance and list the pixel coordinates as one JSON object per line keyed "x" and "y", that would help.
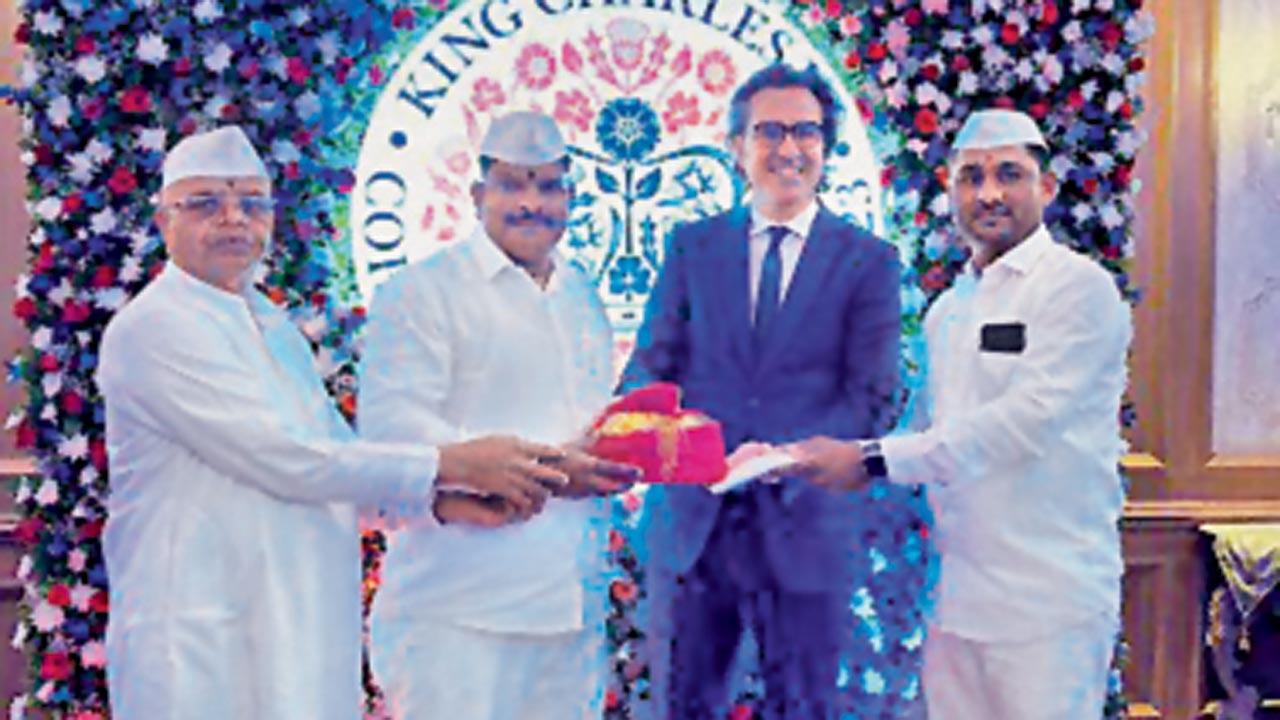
{"x": 806, "y": 283}
{"x": 732, "y": 278}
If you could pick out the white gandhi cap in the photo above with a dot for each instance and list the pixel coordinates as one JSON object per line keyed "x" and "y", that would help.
{"x": 222, "y": 153}
{"x": 986, "y": 129}
{"x": 523, "y": 138}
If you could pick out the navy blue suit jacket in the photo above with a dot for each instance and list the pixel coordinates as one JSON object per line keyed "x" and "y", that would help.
{"x": 828, "y": 366}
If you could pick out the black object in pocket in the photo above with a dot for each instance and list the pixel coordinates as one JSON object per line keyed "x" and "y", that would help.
{"x": 1004, "y": 337}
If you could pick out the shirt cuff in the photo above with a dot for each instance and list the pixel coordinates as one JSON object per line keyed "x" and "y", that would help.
{"x": 906, "y": 459}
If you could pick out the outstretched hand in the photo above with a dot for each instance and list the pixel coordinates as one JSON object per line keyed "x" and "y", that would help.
{"x": 515, "y": 471}
{"x": 589, "y": 475}
{"x": 833, "y": 464}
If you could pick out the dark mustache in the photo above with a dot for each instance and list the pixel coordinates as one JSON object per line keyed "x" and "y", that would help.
{"x": 533, "y": 217}
{"x": 999, "y": 209}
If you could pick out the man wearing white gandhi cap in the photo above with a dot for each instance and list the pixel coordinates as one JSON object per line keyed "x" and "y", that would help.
{"x": 1018, "y": 441}
{"x": 231, "y": 539}
{"x": 497, "y": 333}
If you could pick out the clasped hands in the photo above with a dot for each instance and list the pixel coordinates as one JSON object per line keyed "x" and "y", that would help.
{"x": 494, "y": 481}
{"x": 826, "y": 462}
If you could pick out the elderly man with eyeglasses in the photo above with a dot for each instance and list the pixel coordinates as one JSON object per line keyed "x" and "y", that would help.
{"x": 231, "y": 539}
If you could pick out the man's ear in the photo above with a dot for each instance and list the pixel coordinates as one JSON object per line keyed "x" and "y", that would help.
{"x": 1048, "y": 185}
{"x": 477, "y": 194}
{"x": 735, "y": 147}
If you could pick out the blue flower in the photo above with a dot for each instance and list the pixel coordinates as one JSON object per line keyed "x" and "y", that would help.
{"x": 627, "y": 128}
{"x": 628, "y": 275}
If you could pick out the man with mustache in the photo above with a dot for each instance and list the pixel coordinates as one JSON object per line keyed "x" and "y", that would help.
{"x": 498, "y": 333}
{"x": 1020, "y": 452}
{"x": 231, "y": 537}
{"x": 780, "y": 320}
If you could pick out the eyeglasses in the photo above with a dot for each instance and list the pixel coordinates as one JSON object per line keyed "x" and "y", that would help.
{"x": 774, "y": 133}
{"x": 209, "y": 205}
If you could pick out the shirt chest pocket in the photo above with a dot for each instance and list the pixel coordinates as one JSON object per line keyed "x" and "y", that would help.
{"x": 1002, "y": 346}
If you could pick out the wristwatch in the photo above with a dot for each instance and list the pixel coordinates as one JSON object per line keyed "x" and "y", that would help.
{"x": 873, "y": 459}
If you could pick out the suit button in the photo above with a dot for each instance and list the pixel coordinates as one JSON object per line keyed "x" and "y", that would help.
{"x": 753, "y": 402}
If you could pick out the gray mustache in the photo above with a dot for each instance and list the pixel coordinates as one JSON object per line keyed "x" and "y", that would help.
{"x": 538, "y": 218}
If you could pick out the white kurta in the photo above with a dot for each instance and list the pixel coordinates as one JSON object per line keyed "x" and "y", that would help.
{"x": 1022, "y": 448}
{"x": 231, "y": 540}
{"x": 466, "y": 344}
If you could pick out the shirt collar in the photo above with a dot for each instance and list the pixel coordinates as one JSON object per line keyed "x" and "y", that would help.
{"x": 491, "y": 261}
{"x": 1021, "y": 257}
{"x": 798, "y": 225}
{"x": 252, "y": 301}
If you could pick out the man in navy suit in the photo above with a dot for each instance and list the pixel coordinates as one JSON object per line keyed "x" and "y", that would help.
{"x": 781, "y": 321}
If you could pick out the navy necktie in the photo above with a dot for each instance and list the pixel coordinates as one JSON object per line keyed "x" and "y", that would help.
{"x": 770, "y": 290}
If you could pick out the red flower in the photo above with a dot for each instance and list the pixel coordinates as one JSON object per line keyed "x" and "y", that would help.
{"x": 248, "y": 68}
{"x": 616, "y": 540}
{"x": 122, "y": 181}
{"x": 100, "y": 602}
{"x": 72, "y": 403}
{"x": 403, "y": 18}
{"x": 1009, "y": 34}
{"x": 22, "y": 34}
{"x": 98, "y": 453}
{"x": 935, "y": 278}
{"x": 913, "y": 16}
{"x": 1122, "y": 175}
{"x": 72, "y": 203}
{"x": 921, "y": 218}
{"x": 59, "y": 595}
{"x": 55, "y": 666}
{"x": 375, "y": 74}
{"x": 834, "y": 8}
{"x": 1004, "y": 102}
{"x": 536, "y": 66}
{"x": 960, "y": 63}
{"x": 930, "y": 71}
{"x": 1039, "y": 110}
{"x": 1126, "y": 110}
{"x": 48, "y": 362}
{"x": 741, "y": 712}
{"x": 182, "y": 67}
{"x": 85, "y": 44}
{"x": 91, "y": 529}
{"x": 1137, "y": 64}
{"x": 230, "y": 111}
{"x": 93, "y": 107}
{"x": 44, "y": 154}
{"x": 297, "y": 70}
{"x": 573, "y": 108}
{"x": 1090, "y": 185}
{"x": 887, "y": 174}
{"x": 344, "y": 68}
{"x": 75, "y": 312}
{"x": 623, "y": 591}
{"x": 716, "y": 72}
{"x": 1049, "y": 13}
{"x": 926, "y": 121}
{"x": 28, "y": 531}
{"x": 103, "y": 277}
{"x": 852, "y": 60}
{"x": 135, "y": 100}
{"x": 1111, "y": 34}
{"x": 1075, "y": 99}
{"x": 876, "y": 51}
{"x": 682, "y": 111}
{"x": 610, "y": 699}
{"x": 24, "y": 308}
{"x": 487, "y": 93}
{"x": 682, "y": 63}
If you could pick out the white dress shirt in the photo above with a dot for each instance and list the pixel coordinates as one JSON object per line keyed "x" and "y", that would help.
{"x": 465, "y": 344}
{"x": 789, "y": 249}
{"x": 1022, "y": 448}
{"x": 231, "y": 538}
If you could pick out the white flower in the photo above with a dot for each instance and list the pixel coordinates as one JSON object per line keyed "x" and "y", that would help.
{"x": 1103, "y": 161}
{"x": 285, "y": 151}
{"x": 152, "y": 49}
{"x": 1140, "y": 27}
{"x": 75, "y": 447}
{"x": 1112, "y": 63}
{"x": 49, "y": 208}
{"x": 48, "y": 493}
{"x": 299, "y": 16}
{"x": 74, "y": 9}
{"x": 896, "y": 95}
{"x": 93, "y": 654}
{"x": 131, "y": 269}
{"x": 112, "y": 298}
{"x": 153, "y": 139}
{"x": 76, "y": 560}
{"x": 206, "y": 11}
{"x": 1071, "y": 32}
{"x": 25, "y": 566}
{"x": 91, "y": 68}
{"x": 47, "y": 23}
{"x": 927, "y": 93}
{"x": 952, "y": 39}
{"x": 1060, "y": 165}
{"x": 213, "y": 107}
{"x": 329, "y": 45}
{"x": 59, "y": 111}
{"x": 888, "y": 71}
{"x": 81, "y": 593}
{"x": 51, "y": 383}
{"x": 277, "y": 65}
{"x": 99, "y": 151}
{"x": 88, "y": 476}
{"x": 219, "y": 58}
{"x": 1103, "y": 5}
{"x": 1081, "y": 212}
{"x": 1024, "y": 69}
{"x": 82, "y": 167}
{"x": 940, "y": 204}
{"x": 1079, "y": 6}
{"x": 307, "y": 105}
{"x": 1128, "y": 142}
{"x": 1088, "y": 89}
{"x": 46, "y": 617}
{"x": 103, "y": 221}
{"x": 48, "y": 411}
{"x": 917, "y": 146}
{"x": 982, "y": 35}
{"x": 19, "y": 639}
{"x": 873, "y": 682}
{"x": 1051, "y": 67}
{"x": 994, "y": 58}
{"x": 968, "y": 83}
{"x": 1111, "y": 216}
